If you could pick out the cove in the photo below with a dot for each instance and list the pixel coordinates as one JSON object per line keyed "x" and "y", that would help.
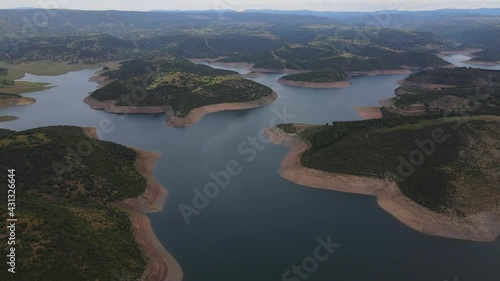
{"x": 259, "y": 226}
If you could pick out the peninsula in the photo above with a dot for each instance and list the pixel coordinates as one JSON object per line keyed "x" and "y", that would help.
{"x": 98, "y": 195}
{"x": 433, "y": 175}
{"x": 183, "y": 90}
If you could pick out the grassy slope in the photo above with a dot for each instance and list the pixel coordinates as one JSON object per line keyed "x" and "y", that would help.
{"x": 66, "y": 228}
{"x": 460, "y": 177}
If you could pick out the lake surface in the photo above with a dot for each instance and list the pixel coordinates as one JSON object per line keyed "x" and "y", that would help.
{"x": 260, "y": 225}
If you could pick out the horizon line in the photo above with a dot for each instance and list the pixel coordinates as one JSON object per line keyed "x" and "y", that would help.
{"x": 253, "y": 10}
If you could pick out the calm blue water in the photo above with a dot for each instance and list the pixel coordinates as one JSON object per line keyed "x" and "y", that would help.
{"x": 260, "y": 225}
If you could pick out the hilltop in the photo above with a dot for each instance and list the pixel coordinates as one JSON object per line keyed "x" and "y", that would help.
{"x": 459, "y": 90}
{"x": 76, "y": 190}
{"x": 438, "y": 176}
{"x": 178, "y": 87}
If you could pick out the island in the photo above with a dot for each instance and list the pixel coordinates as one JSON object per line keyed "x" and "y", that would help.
{"x": 316, "y": 79}
{"x": 83, "y": 207}
{"x": 177, "y": 87}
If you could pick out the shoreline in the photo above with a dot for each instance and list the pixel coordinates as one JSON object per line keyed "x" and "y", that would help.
{"x": 483, "y": 227}
{"x": 16, "y": 101}
{"x": 470, "y": 54}
{"x": 196, "y": 114}
{"x": 315, "y": 85}
{"x": 160, "y": 264}
{"x": 341, "y": 84}
{"x": 214, "y": 61}
{"x": 368, "y": 112}
{"x": 8, "y": 118}
{"x": 483, "y": 63}
{"x": 191, "y": 118}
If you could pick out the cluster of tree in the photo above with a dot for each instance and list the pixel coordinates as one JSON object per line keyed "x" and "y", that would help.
{"x": 193, "y": 90}
{"x": 65, "y": 183}
{"x": 459, "y": 77}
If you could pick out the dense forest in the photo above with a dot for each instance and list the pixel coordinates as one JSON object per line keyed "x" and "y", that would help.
{"x": 371, "y": 148}
{"x": 177, "y": 83}
{"x": 65, "y": 186}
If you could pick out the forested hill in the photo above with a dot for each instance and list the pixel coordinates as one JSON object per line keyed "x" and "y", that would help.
{"x": 178, "y": 83}
{"x": 65, "y": 184}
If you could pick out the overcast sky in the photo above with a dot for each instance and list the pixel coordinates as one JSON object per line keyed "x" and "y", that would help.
{"x": 322, "y": 5}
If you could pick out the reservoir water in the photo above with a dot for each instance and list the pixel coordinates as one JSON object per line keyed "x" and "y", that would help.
{"x": 260, "y": 225}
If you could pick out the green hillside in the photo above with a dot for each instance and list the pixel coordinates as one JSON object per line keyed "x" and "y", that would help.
{"x": 66, "y": 183}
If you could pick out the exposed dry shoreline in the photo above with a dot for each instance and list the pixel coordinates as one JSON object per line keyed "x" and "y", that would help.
{"x": 160, "y": 264}
{"x": 194, "y": 116}
{"x": 480, "y": 227}
{"x": 19, "y": 101}
{"x": 315, "y": 85}
{"x": 369, "y": 112}
{"x": 341, "y": 84}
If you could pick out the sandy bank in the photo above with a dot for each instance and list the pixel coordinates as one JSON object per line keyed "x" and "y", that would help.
{"x": 315, "y": 85}
{"x": 192, "y": 117}
{"x": 10, "y": 102}
{"x": 424, "y": 85}
{"x": 196, "y": 114}
{"x": 369, "y": 112}
{"x": 100, "y": 80}
{"x": 160, "y": 264}
{"x": 479, "y": 227}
